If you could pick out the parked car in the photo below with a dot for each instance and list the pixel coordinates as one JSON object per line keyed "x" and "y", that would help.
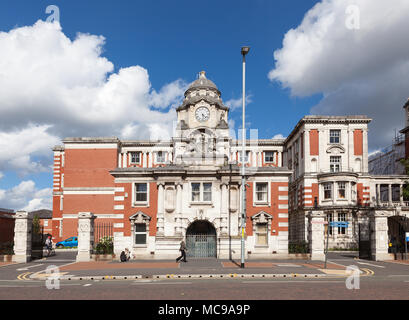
{"x": 69, "y": 243}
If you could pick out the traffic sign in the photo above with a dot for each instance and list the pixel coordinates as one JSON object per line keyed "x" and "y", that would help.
{"x": 339, "y": 224}
{"x": 407, "y": 236}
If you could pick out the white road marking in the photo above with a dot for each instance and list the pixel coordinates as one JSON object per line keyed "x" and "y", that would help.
{"x": 177, "y": 283}
{"x": 294, "y": 281}
{"x": 87, "y": 285}
{"x": 26, "y": 268}
{"x": 289, "y": 265}
{"x": 370, "y": 264}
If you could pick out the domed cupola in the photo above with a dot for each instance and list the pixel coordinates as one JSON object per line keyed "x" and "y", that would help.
{"x": 202, "y": 89}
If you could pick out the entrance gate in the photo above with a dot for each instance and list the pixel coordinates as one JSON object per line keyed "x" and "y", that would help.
{"x": 397, "y": 227}
{"x": 201, "y": 240}
{"x": 364, "y": 242}
{"x": 37, "y": 243}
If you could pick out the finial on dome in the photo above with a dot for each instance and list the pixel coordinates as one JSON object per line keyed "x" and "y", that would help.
{"x": 202, "y": 74}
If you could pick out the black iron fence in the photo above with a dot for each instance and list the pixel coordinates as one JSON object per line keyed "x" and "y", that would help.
{"x": 103, "y": 238}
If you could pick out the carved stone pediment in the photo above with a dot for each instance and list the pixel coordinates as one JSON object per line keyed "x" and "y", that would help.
{"x": 140, "y": 217}
{"x": 336, "y": 149}
{"x": 262, "y": 217}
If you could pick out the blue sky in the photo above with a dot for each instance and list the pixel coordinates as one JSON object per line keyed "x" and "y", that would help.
{"x": 174, "y": 40}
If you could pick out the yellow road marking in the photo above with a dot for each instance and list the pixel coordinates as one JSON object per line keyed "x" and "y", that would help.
{"x": 23, "y": 276}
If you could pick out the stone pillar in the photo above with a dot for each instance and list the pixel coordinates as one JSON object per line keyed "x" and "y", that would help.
{"x": 378, "y": 234}
{"x": 178, "y": 209}
{"x": 22, "y": 237}
{"x": 280, "y": 160}
{"x": 160, "y": 222}
{"x": 401, "y": 195}
{"x": 85, "y": 236}
{"x": 150, "y": 159}
{"x": 390, "y": 194}
{"x": 119, "y": 160}
{"x": 224, "y": 209}
{"x": 378, "y": 194}
{"x": 144, "y": 160}
{"x": 316, "y": 234}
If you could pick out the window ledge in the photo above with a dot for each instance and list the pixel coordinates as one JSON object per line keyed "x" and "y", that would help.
{"x": 264, "y": 204}
{"x": 201, "y": 203}
{"x": 261, "y": 246}
{"x": 140, "y": 204}
{"x": 138, "y": 246}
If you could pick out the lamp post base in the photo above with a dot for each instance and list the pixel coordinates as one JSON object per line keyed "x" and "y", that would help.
{"x": 242, "y": 265}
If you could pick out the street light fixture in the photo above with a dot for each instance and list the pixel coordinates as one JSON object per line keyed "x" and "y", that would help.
{"x": 244, "y": 51}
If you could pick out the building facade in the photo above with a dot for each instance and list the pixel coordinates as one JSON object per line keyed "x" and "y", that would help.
{"x": 156, "y": 194}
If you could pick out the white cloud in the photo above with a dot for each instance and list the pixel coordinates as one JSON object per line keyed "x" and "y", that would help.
{"x": 26, "y": 196}
{"x": 279, "y": 136}
{"x": 52, "y": 87}
{"x": 363, "y": 71}
{"x": 17, "y": 147}
{"x": 234, "y": 104}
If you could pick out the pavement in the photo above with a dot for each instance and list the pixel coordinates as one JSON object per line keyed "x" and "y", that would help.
{"x": 203, "y": 279}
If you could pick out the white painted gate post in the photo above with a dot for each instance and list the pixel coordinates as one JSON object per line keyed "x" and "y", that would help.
{"x": 379, "y": 235}
{"x": 85, "y": 236}
{"x": 316, "y": 235}
{"x": 22, "y": 237}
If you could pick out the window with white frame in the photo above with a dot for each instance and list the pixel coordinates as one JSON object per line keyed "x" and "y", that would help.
{"x": 140, "y": 233}
{"x": 335, "y": 136}
{"x": 268, "y": 156}
{"x": 141, "y": 192}
{"x": 342, "y": 217}
{"x": 262, "y": 233}
{"x": 201, "y": 192}
{"x": 135, "y": 157}
{"x": 160, "y": 157}
{"x": 246, "y": 158}
{"x": 341, "y": 190}
{"x": 327, "y": 190}
{"x": 335, "y": 163}
{"x": 261, "y": 192}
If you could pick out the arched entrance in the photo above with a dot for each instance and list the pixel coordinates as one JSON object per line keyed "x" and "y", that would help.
{"x": 201, "y": 240}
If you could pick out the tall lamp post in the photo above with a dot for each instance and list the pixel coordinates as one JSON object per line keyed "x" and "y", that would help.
{"x": 244, "y": 51}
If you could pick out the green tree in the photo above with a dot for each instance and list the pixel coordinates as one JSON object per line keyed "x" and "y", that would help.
{"x": 405, "y": 189}
{"x": 36, "y": 225}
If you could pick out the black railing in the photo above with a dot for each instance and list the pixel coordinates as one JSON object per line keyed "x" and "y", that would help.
{"x": 103, "y": 238}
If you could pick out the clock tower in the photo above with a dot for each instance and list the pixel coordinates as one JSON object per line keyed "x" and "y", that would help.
{"x": 202, "y": 133}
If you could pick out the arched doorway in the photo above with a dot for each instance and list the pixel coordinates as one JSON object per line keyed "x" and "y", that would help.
{"x": 201, "y": 240}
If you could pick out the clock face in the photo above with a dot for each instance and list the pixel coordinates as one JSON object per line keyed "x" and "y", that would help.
{"x": 202, "y": 114}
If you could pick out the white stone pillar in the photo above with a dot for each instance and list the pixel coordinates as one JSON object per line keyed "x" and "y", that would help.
{"x": 280, "y": 160}
{"x": 379, "y": 235}
{"x": 378, "y": 194}
{"x": 316, "y": 235}
{"x": 119, "y": 160}
{"x": 178, "y": 209}
{"x": 145, "y": 160}
{"x": 150, "y": 159}
{"x": 390, "y": 194}
{"x": 161, "y": 199}
{"x": 224, "y": 209}
{"x": 124, "y": 157}
{"x": 85, "y": 236}
{"x": 22, "y": 237}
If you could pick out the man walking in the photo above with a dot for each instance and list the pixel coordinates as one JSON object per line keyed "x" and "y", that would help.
{"x": 183, "y": 251}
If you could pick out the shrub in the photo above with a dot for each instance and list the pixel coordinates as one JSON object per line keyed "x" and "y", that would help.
{"x": 6, "y": 248}
{"x": 105, "y": 245}
{"x": 299, "y": 247}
